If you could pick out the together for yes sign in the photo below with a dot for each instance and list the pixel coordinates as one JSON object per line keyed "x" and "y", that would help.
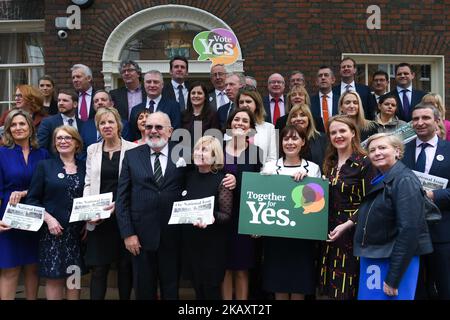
{"x": 278, "y": 206}
{"x": 218, "y": 45}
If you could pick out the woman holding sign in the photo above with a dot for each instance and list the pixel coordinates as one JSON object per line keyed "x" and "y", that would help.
{"x": 349, "y": 173}
{"x": 104, "y": 245}
{"x": 55, "y": 183}
{"x": 288, "y": 265}
{"x": 391, "y": 231}
{"x": 18, "y": 160}
{"x": 205, "y": 245}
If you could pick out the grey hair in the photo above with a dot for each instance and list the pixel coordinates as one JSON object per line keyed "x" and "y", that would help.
{"x": 164, "y": 115}
{"x": 123, "y": 63}
{"x": 157, "y": 73}
{"x": 394, "y": 140}
{"x": 427, "y": 105}
{"x": 239, "y": 75}
{"x": 86, "y": 70}
{"x": 252, "y": 80}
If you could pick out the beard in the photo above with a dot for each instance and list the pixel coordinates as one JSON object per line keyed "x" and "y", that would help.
{"x": 159, "y": 144}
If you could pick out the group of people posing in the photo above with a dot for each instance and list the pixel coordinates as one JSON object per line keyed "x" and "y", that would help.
{"x": 129, "y": 142}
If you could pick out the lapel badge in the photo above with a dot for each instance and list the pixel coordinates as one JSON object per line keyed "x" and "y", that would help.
{"x": 440, "y": 157}
{"x": 61, "y": 175}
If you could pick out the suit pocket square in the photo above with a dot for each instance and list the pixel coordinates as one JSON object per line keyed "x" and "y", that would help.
{"x": 181, "y": 163}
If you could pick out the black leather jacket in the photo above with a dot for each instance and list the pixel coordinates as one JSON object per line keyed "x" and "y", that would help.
{"x": 391, "y": 222}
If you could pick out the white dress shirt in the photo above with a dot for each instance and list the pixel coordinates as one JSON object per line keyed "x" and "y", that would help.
{"x": 430, "y": 151}
{"x": 163, "y": 158}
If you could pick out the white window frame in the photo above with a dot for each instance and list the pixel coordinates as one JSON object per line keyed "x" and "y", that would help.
{"x": 19, "y": 26}
{"x": 436, "y": 62}
{"x": 152, "y": 16}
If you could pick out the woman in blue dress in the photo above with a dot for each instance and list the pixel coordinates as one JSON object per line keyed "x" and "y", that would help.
{"x": 18, "y": 159}
{"x": 56, "y": 182}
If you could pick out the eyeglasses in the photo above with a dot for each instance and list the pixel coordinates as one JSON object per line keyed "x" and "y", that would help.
{"x": 157, "y": 127}
{"x": 65, "y": 138}
{"x": 218, "y": 74}
{"x": 18, "y": 96}
{"x": 276, "y": 82}
{"x": 128, "y": 70}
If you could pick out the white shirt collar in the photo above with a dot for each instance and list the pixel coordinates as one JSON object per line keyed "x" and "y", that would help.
{"x": 344, "y": 85}
{"x": 399, "y": 89}
{"x": 281, "y": 98}
{"x": 176, "y": 84}
{"x": 433, "y": 141}
{"x": 164, "y": 151}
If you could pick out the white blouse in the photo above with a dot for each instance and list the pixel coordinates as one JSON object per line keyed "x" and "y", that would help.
{"x": 278, "y": 167}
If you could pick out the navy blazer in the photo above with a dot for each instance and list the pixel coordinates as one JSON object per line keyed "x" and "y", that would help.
{"x": 120, "y": 99}
{"x": 416, "y": 97}
{"x": 168, "y": 92}
{"x": 143, "y": 208}
{"x": 46, "y": 128}
{"x": 269, "y": 115}
{"x": 213, "y": 101}
{"x": 364, "y": 94}
{"x": 316, "y": 110}
{"x": 223, "y": 112}
{"x": 440, "y": 167}
{"x": 169, "y": 107}
{"x": 49, "y": 185}
{"x": 91, "y": 108}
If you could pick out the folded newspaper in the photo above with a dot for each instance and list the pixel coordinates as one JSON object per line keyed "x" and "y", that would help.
{"x": 430, "y": 182}
{"x": 406, "y": 134}
{"x": 24, "y": 217}
{"x": 91, "y": 207}
{"x": 191, "y": 211}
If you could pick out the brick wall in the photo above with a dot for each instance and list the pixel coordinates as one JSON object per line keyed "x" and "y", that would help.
{"x": 275, "y": 36}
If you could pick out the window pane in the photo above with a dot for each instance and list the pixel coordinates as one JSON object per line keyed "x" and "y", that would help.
{"x": 4, "y": 95}
{"x": 21, "y": 48}
{"x": 422, "y": 78}
{"x": 162, "y": 41}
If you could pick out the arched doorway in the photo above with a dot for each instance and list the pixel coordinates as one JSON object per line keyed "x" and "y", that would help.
{"x": 135, "y": 33}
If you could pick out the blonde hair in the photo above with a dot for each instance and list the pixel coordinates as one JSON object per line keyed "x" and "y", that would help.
{"x": 360, "y": 120}
{"x": 392, "y": 139}
{"x": 311, "y": 131}
{"x": 8, "y": 139}
{"x": 73, "y": 133}
{"x": 109, "y": 110}
{"x": 216, "y": 151}
{"x": 436, "y": 100}
{"x": 300, "y": 89}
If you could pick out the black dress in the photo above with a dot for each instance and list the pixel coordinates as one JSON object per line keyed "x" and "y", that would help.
{"x": 204, "y": 252}
{"x": 104, "y": 244}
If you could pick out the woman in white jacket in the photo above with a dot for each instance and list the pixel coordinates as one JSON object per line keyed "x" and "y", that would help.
{"x": 104, "y": 245}
{"x": 265, "y": 137}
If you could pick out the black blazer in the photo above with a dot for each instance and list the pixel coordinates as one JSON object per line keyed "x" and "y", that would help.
{"x": 266, "y": 103}
{"x": 416, "y": 97}
{"x": 440, "y": 167}
{"x": 212, "y": 100}
{"x": 46, "y": 128}
{"x": 169, "y": 107}
{"x": 120, "y": 98}
{"x": 388, "y": 228}
{"x": 48, "y": 188}
{"x": 143, "y": 208}
{"x": 223, "y": 112}
{"x": 169, "y": 94}
{"x": 316, "y": 110}
{"x": 91, "y": 108}
{"x": 364, "y": 94}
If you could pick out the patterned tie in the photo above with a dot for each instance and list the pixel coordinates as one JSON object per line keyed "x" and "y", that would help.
{"x": 221, "y": 99}
{"x": 405, "y": 102}
{"x": 70, "y": 121}
{"x": 83, "y": 108}
{"x": 157, "y": 170}
{"x": 181, "y": 98}
{"x": 276, "y": 111}
{"x": 348, "y": 87}
{"x": 325, "y": 110}
{"x": 422, "y": 158}
{"x": 151, "y": 106}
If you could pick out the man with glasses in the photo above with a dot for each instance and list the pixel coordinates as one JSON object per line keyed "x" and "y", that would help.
{"x": 296, "y": 78}
{"x": 218, "y": 97}
{"x": 67, "y": 107}
{"x": 274, "y": 103}
{"x": 380, "y": 84}
{"x": 127, "y": 97}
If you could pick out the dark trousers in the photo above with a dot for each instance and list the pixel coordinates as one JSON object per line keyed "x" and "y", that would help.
{"x": 148, "y": 266}
{"x": 434, "y": 274}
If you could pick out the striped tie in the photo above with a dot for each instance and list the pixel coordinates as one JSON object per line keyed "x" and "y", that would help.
{"x": 157, "y": 170}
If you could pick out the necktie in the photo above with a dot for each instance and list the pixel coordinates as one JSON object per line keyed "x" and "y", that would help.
{"x": 181, "y": 98}
{"x": 151, "y": 106}
{"x": 83, "y": 108}
{"x": 348, "y": 87}
{"x": 70, "y": 121}
{"x": 276, "y": 111}
{"x": 157, "y": 170}
{"x": 422, "y": 158}
{"x": 325, "y": 110}
{"x": 405, "y": 102}
{"x": 221, "y": 99}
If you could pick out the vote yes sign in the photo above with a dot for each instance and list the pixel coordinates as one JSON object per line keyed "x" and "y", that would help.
{"x": 218, "y": 45}
{"x": 276, "y": 205}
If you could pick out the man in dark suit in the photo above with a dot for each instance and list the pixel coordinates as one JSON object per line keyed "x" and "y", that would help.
{"x": 275, "y": 102}
{"x": 325, "y": 104}
{"x": 82, "y": 83}
{"x": 177, "y": 89}
{"x": 153, "y": 84}
{"x": 348, "y": 71}
{"x": 146, "y": 193}
{"x": 406, "y": 96}
{"x": 218, "y": 97}
{"x": 133, "y": 93}
{"x": 429, "y": 154}
{"x": 233, "y": 82}
{"x": 67, "y": 107}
